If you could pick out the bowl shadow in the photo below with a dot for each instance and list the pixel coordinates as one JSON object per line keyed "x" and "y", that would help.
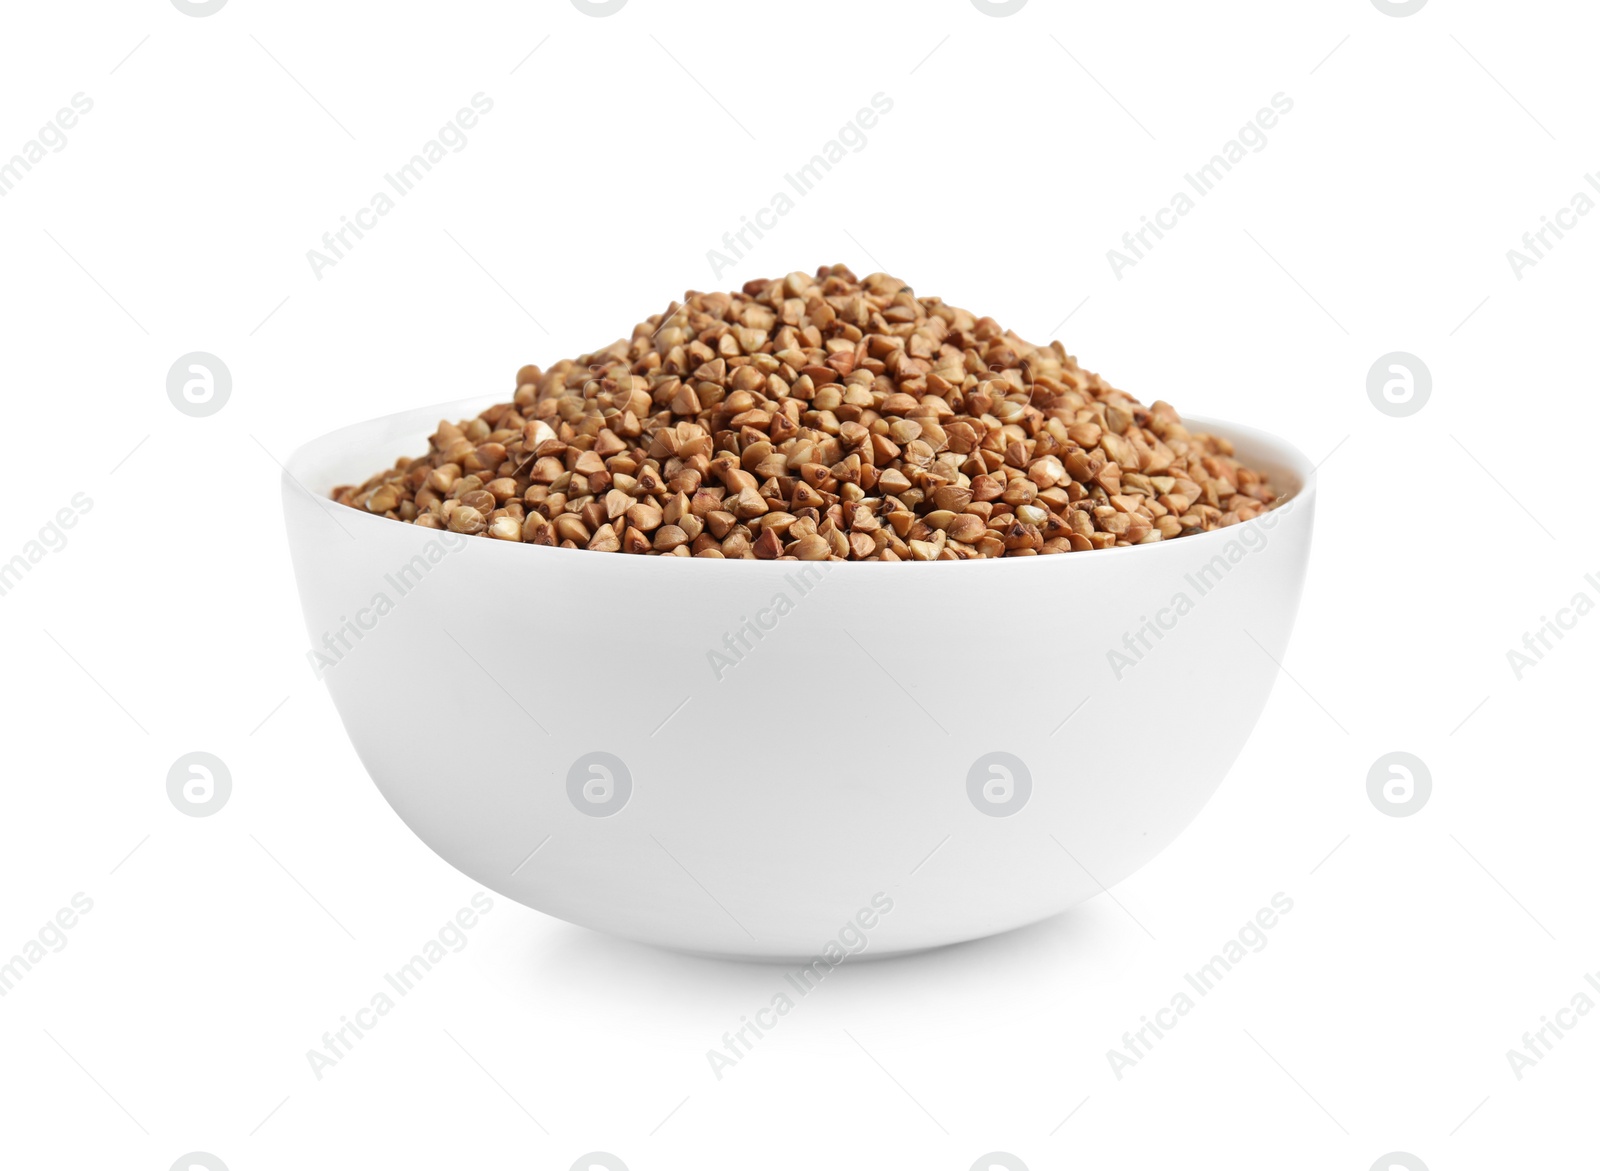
{"x": 998, "y": 977}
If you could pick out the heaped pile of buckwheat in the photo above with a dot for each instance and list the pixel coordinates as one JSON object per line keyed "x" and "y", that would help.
{"x": 820, "y": 418}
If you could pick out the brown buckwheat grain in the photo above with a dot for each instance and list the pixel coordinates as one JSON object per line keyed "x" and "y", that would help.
{"x": 820, "y": 418}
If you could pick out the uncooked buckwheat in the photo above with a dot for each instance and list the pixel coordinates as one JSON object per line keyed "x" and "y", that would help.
{"x": 821, "y": 419}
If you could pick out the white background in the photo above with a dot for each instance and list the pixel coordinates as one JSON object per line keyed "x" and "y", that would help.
{"x": 177, "y": 218}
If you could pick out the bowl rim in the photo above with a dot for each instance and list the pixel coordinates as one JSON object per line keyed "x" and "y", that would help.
{"x": 312, "y": 453}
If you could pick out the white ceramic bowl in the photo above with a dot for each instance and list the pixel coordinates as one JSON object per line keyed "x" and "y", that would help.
{"x": 830, "y": 786}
